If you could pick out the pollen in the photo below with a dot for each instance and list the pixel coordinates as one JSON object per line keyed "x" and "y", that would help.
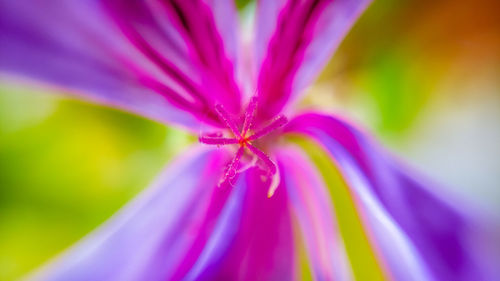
{"x": 244, "y": 137}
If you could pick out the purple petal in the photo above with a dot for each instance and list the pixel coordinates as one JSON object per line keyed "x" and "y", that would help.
{"x": 311, "y": 205}
{"x": 149, "y": 238}
{"x": 295, "y": 40}
{"x": 422, "y": 234}
{"x": 132, "y": 57}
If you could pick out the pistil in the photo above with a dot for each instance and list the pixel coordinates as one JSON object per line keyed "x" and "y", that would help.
{"x": 244, "y": 142}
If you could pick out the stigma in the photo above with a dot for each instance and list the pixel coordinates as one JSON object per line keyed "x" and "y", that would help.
{"x": 244, "y": 138}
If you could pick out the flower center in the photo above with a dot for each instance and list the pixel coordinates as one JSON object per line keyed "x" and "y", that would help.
{"x": 244, "y": 137}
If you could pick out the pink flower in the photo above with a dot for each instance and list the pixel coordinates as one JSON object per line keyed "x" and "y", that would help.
{"x": 241, "y": 211}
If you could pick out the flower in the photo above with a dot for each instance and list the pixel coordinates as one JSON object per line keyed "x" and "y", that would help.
{"x": 284, "y": 183}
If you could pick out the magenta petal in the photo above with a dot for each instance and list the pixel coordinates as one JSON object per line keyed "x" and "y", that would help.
{"x": 252, "y": 239}
{"x": 182, "y": 39}
{"x": 209, "y": 261}
{"x": 149, "y": 238}
{"x": 262, "y": 249}
{"x": 422, "y": 234}
{"x": 295, "y": 39}
{"x": 311, "y": 204}
{"x": 145, "y": 66}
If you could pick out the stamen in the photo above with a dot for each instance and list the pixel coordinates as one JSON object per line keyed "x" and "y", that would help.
{"x": 240, "y": 138}
{"x": 249, "y": 116}
{"x": 224, "y": 115}
{"x": 278, "y": 122}
{"x": 262, "y": 156}
{"x": 217, "y": 140}
{"x": 273, "y": 171}
{"x": 275, "y": 182}
{"x": 230, "y": 173}
{"x": 248, "y": 165}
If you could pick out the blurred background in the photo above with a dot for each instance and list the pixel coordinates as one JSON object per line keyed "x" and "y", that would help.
{"x": 422, "y": 76}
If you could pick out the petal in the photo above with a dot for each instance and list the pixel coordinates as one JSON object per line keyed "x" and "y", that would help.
{"x": 208, "y": 261}
{"x": 314, "y": 211}
{"x": 149, "y": 237}
{"x": 295, "y": 40}
{"x": 190, "y": 30}
{"x": 262, "y": 249}
{"x": 421, "y": 232}
{"x": 133, "y": 57}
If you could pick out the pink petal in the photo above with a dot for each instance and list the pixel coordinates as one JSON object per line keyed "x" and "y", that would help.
{"x": 295, "y": 39}
{"x": 149, "y": 238}
{"x": 262, "y": 249}
{"x": 131, "y": 56}
{"x": 193, "y": 26}
{"x": 423, "y": 235}
{"x": 311, "y": 205}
